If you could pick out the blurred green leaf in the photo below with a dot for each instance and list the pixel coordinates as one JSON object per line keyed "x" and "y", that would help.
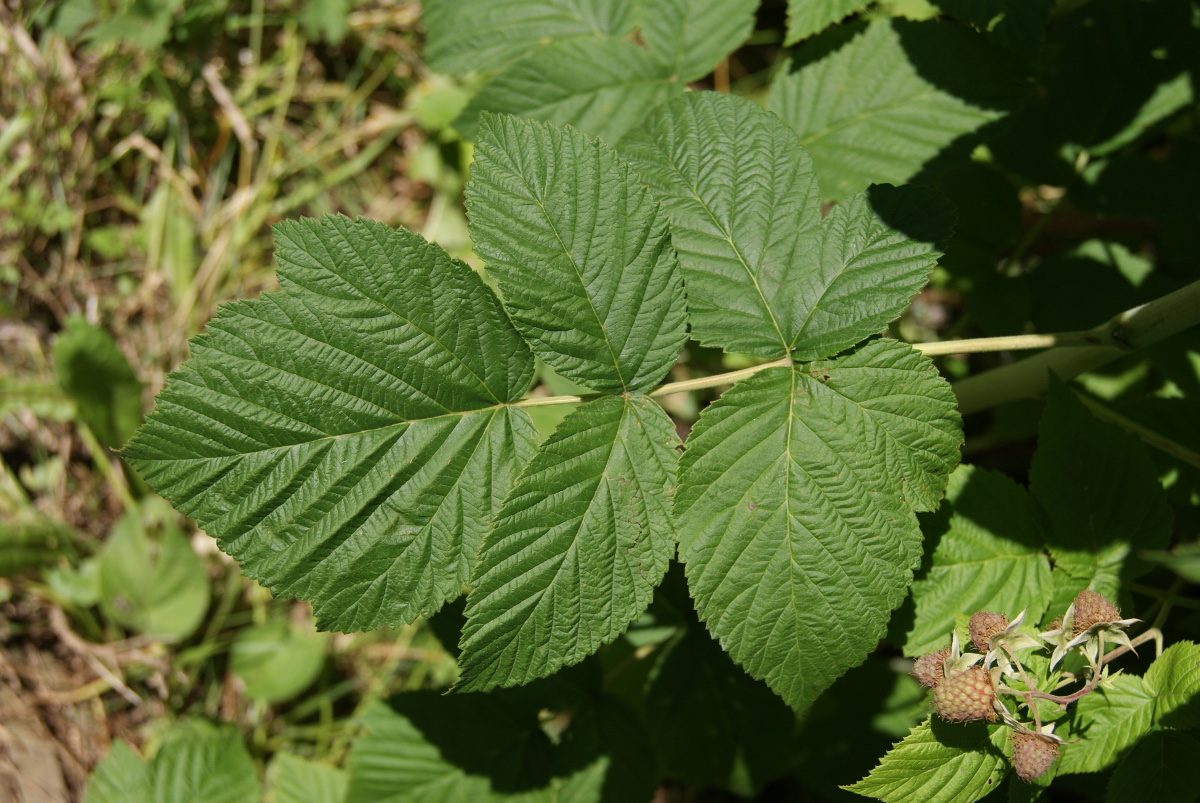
{"x": 807, "y": 17}
{"x": 301, "y": 780}
{"x": 150, "y": 579}
{"x": 326, "y": 19}
{"x": 94, "y": 371}
{"x": 277, "y": 660}
{"x": 120, "y": 777}
{"x": 200, "y": 762}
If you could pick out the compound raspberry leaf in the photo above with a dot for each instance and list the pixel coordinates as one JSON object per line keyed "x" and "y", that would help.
{"x": 765, "y": 274}
{"x": 578, "y": 547}
{"x": 347, "y": 440}
{"x": 581, "y": 252}
{"x": 795, "y": 508}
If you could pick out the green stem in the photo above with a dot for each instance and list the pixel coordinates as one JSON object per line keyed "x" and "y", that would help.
{"x": 1014, "y": 343}
{"x": 1123, "y": 334}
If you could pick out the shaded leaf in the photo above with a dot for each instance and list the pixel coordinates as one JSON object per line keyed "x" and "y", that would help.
{"x": 987, "y": 559}
{"x": 428, "y": 748}
{"x": 890, "y": 99}
{"x": 712, "y": 723}
{"x": 1161, "y": 767}
{"x": 1100, "y": 491}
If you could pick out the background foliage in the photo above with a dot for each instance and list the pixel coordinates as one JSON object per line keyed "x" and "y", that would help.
{"x": 147, "y": 147}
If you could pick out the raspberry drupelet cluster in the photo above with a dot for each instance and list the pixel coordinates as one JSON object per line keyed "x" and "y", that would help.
{"x": 971, "y": 686}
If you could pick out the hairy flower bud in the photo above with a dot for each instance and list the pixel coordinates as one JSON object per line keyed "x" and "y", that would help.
{"x": 1032, "y": 755}
{"x": 930, "y": 669}
{"x": 983, "y": 626}
{"x": 1092, "y": 609}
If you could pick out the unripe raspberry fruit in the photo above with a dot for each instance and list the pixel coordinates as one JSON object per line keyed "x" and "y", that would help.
{"x": 930, "y": 669}
{"x": 983, "y": 626}
{"x": 1032, "y": 755}
{"x": 1091, "y": 608}
{"x": 966, "y": 696}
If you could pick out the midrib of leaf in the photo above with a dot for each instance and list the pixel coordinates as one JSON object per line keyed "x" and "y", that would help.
{"x": 740, "y": 256}
{"x": 563, "y": 559}
{"x": 866, "y": 115}
{"x": 381, "y": 301}
{"x": 579, "y": 275}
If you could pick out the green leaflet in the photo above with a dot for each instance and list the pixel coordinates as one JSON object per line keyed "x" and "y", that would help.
{"x": 581, "y": 253}
{"x": 575, "y": 61}
{"x": 795, "y": 508}
{"x": 1113, "y": 719}
{"x": 988, "y": 558}
{"x": 939, "y": 763}
{"x": 765, "y": 274}
{"x": 324, "y": 434}
{"x": 464, "y": 35}
{"x": 742, "y": 198}
{"x": 806, "y": 17}
{"x": 578, "y": 547}
{"x": 877, "y": 108}
{"x": 1100, "y": 491}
